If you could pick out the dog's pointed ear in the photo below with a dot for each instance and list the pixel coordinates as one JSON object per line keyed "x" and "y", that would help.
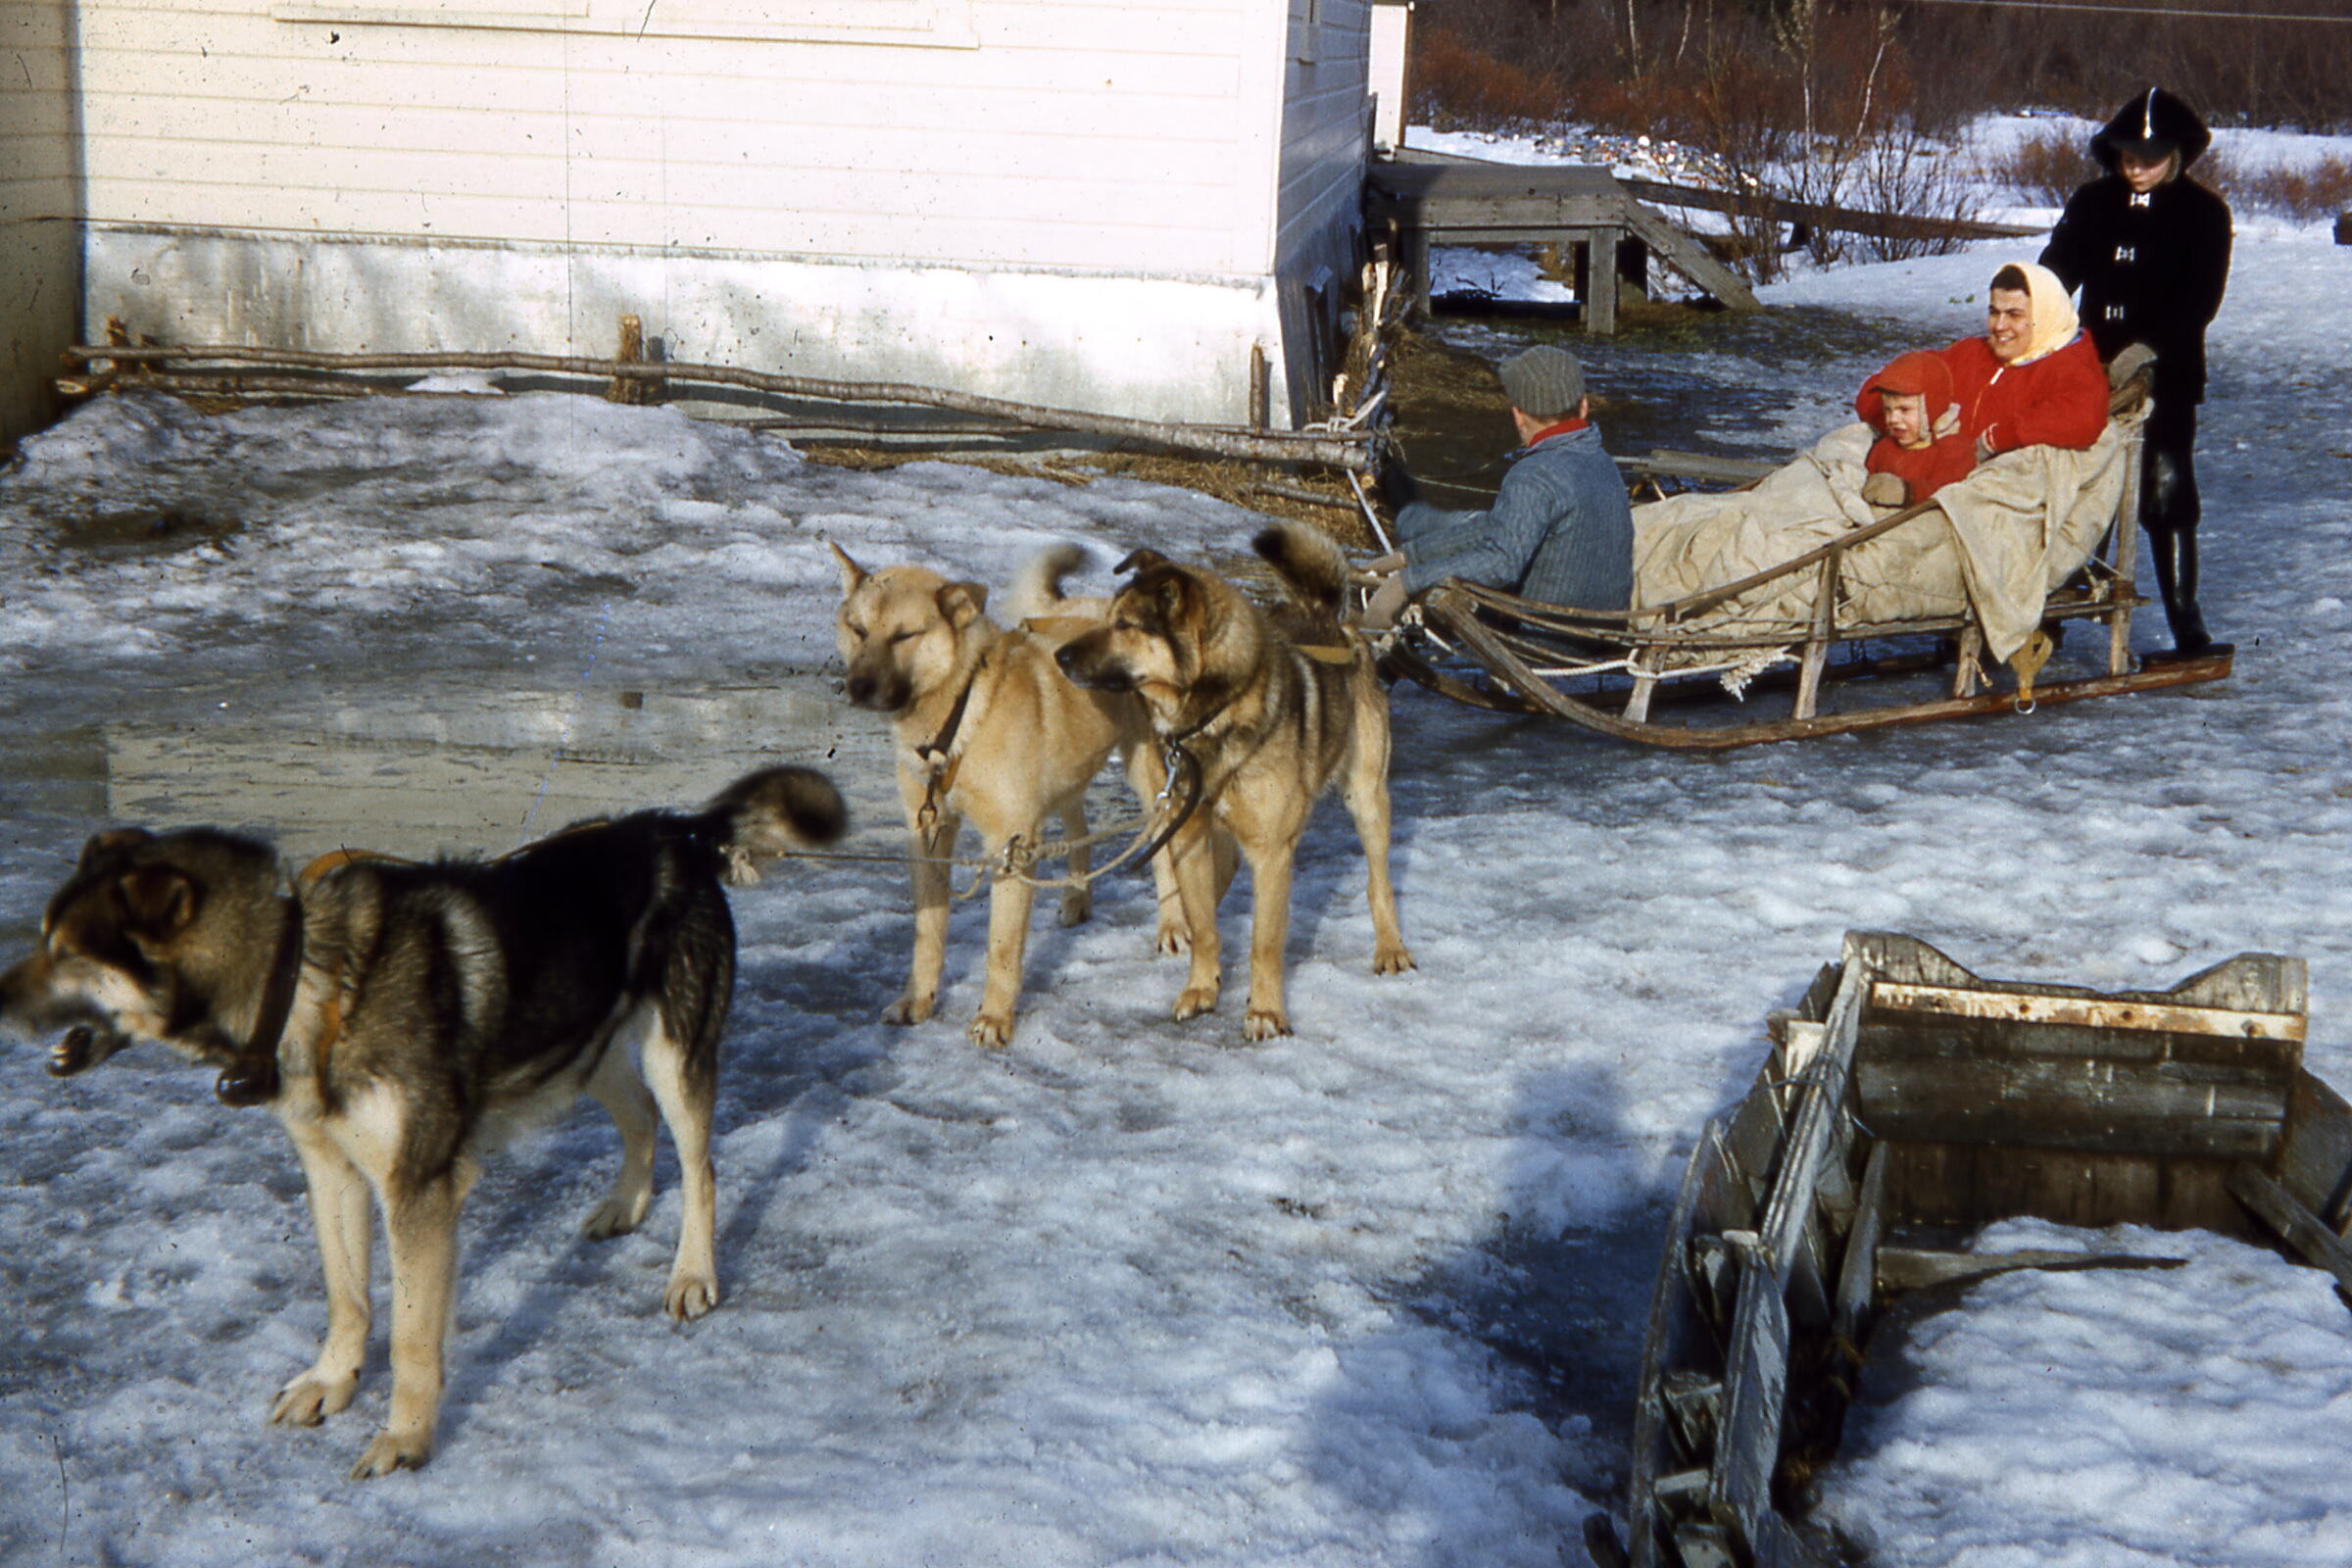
{"x": 852, "y": 574}
{"x": 1176, "y": 593}
{"x": 1142, "y": 560}
{"x": 964, "y": 603}
{"x": 110, "y": 842}
{"x": 161, "y": 900}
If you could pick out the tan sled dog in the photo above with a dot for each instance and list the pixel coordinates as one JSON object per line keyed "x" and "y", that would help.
{"x": 990, "y": 732}
{"x": 1274, "y": 705}
{"x": 401, "y": 1017}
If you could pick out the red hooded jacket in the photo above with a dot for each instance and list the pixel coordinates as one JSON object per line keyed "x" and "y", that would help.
{"x": 2059, "y": 400}
{"x": 2054, "y": 394}
{"x": 1925, "y": 470}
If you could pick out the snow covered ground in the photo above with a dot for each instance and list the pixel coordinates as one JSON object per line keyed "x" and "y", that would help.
{"x": 1129, "y": 1292}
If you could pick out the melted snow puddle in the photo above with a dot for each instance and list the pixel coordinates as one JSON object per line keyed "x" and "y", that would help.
{"x": 464, "y": 772}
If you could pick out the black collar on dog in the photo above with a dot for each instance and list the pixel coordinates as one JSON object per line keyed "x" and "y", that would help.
{"x": 938, "y": 757}
{"x": 253, "y": 1079}
{"x": 946, "y": 737}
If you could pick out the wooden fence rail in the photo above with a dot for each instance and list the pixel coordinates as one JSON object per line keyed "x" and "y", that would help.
{"x": 1344, "y": 449}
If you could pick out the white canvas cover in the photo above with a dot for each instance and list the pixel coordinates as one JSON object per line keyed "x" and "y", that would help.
{"x": 1997, "y": 541}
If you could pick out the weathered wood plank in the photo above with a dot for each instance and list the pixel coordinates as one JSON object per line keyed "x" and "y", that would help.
{"x": 1700, "y": 465}
{"x": 2093, "y": 1013}
{"x": 2254, "y": 982}
{"x": 1895, "y": 957}
{"x": 2316, "y": 1165}
{"x": 1726, "y": 1197}
{"x": 1756, "y": 1389}
{"x": 2296, "y": 1225}
{"x": 1676, "y": 1338}
{"x": 1695, "y": 1402}
{"x": 1754, "y": 1141}
{"x": 1690, "y": 258}
{"x": 1857, "y": 1272}
{"x": 1812, "y": 1132}
{"x": 2268, "y": 982}
{"x": 1912, "y": 1268}
{"x": 1903, "y": 225}
{"x": 2163, "y": 1108}
{"x": 1900, "y": 1035}
{"x": 1971, "y": 1184}
{"x": 1428, "y": 183}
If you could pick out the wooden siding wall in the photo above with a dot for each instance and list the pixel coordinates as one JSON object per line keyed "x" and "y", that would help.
{"x": 40, "y": 246}
{"x": 1326, "y": 126}
{"x": 1325, "y": 121}
{"x": 1038, "y": 133}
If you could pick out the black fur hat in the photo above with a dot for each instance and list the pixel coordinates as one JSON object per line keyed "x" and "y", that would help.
{"x": 2152, "y": 124}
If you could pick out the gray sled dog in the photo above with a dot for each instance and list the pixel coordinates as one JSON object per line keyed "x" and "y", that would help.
{"x": 399, "y": 1016}
{"x": 988, "y": 730}
{"x": 1274, "y": 705}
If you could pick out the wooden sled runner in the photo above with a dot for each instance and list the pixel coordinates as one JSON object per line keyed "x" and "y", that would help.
{"x": 1903, "y": 1099}
{"x": 1614, "y": 670}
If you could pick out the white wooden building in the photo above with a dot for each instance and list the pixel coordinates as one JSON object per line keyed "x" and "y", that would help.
{"x": 1090, "y": 204}
{"x": 40, "y": 275}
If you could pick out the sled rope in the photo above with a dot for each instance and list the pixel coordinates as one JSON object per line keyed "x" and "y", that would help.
{"x": 1017, "y": 858}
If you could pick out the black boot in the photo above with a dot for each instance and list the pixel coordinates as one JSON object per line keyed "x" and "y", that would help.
{"x": 2176, "y": 556}
{"x": 2170, "y": 508}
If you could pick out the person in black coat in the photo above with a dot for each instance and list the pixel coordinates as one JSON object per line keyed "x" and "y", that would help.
{"x": 2151, "y": 251}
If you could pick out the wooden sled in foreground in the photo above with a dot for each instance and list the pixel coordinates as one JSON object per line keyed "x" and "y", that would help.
{"x": 1614, "y": 670}
{"x": 1904, "y": 1102}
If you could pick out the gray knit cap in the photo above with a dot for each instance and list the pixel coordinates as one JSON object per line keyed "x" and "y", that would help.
{"x": 1543, "y": 381}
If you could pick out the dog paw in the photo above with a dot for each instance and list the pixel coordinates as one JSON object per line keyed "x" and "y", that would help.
{"x": 991, "y": 1030}
{"x": 617, "y": 1216}
{"x": 311, "y": 1399}
{"x": 1175, "y": 939}
{"x": 1265, "y": 1023}
{"x": 1193, "y": 1000}
{"x": 76, "y": 1052}
{"x": 908, "y": 1010}
{"x": 690, "y": 1297}
{"x": 1077, "y": 907}
{"x": 392, "y": 1451}
{"x": 247, "y": 1085}
{"x": 1392, "y": 961}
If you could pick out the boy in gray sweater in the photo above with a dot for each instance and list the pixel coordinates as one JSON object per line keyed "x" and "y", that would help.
{"x": 1561, "y": 529}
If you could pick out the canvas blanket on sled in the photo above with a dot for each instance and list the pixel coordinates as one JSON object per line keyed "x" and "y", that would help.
{"x": 1996, "y": 542}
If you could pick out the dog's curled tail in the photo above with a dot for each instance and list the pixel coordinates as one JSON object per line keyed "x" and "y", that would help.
{"x": 1036, "y": 590}
{"x": 1309, "y": 563}
{"x": 771, "y": 812}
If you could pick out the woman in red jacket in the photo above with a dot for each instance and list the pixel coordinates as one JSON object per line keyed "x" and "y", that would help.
{"x": 2033, "y": 379}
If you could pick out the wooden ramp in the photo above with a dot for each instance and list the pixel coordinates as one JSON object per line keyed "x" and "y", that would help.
{"x": 1434, "y": 199}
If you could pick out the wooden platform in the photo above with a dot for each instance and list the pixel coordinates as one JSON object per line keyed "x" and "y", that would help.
{"x": 1438, "y": 200}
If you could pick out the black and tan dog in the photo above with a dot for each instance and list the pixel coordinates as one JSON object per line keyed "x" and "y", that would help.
{"x": 987, "y": 731}
{"x": 401, "y": 1016}
{"x": 1274, "y": 705}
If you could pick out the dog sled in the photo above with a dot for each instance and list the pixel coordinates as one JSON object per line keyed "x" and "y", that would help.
{"x": 1790, "y": 581}
{"x": 1904, "y": 1102}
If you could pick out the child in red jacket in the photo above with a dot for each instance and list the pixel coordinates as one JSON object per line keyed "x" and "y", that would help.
{"x": 1908, "y": 403}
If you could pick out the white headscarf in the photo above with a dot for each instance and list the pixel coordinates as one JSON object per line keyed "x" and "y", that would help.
{"x": 2055, "y": 323}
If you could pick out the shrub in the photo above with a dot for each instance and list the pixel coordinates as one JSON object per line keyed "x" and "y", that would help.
{"x": 2306, "y": 194}
{"x": 1455, "y": 85}
{"x": 2046, "y": 166}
